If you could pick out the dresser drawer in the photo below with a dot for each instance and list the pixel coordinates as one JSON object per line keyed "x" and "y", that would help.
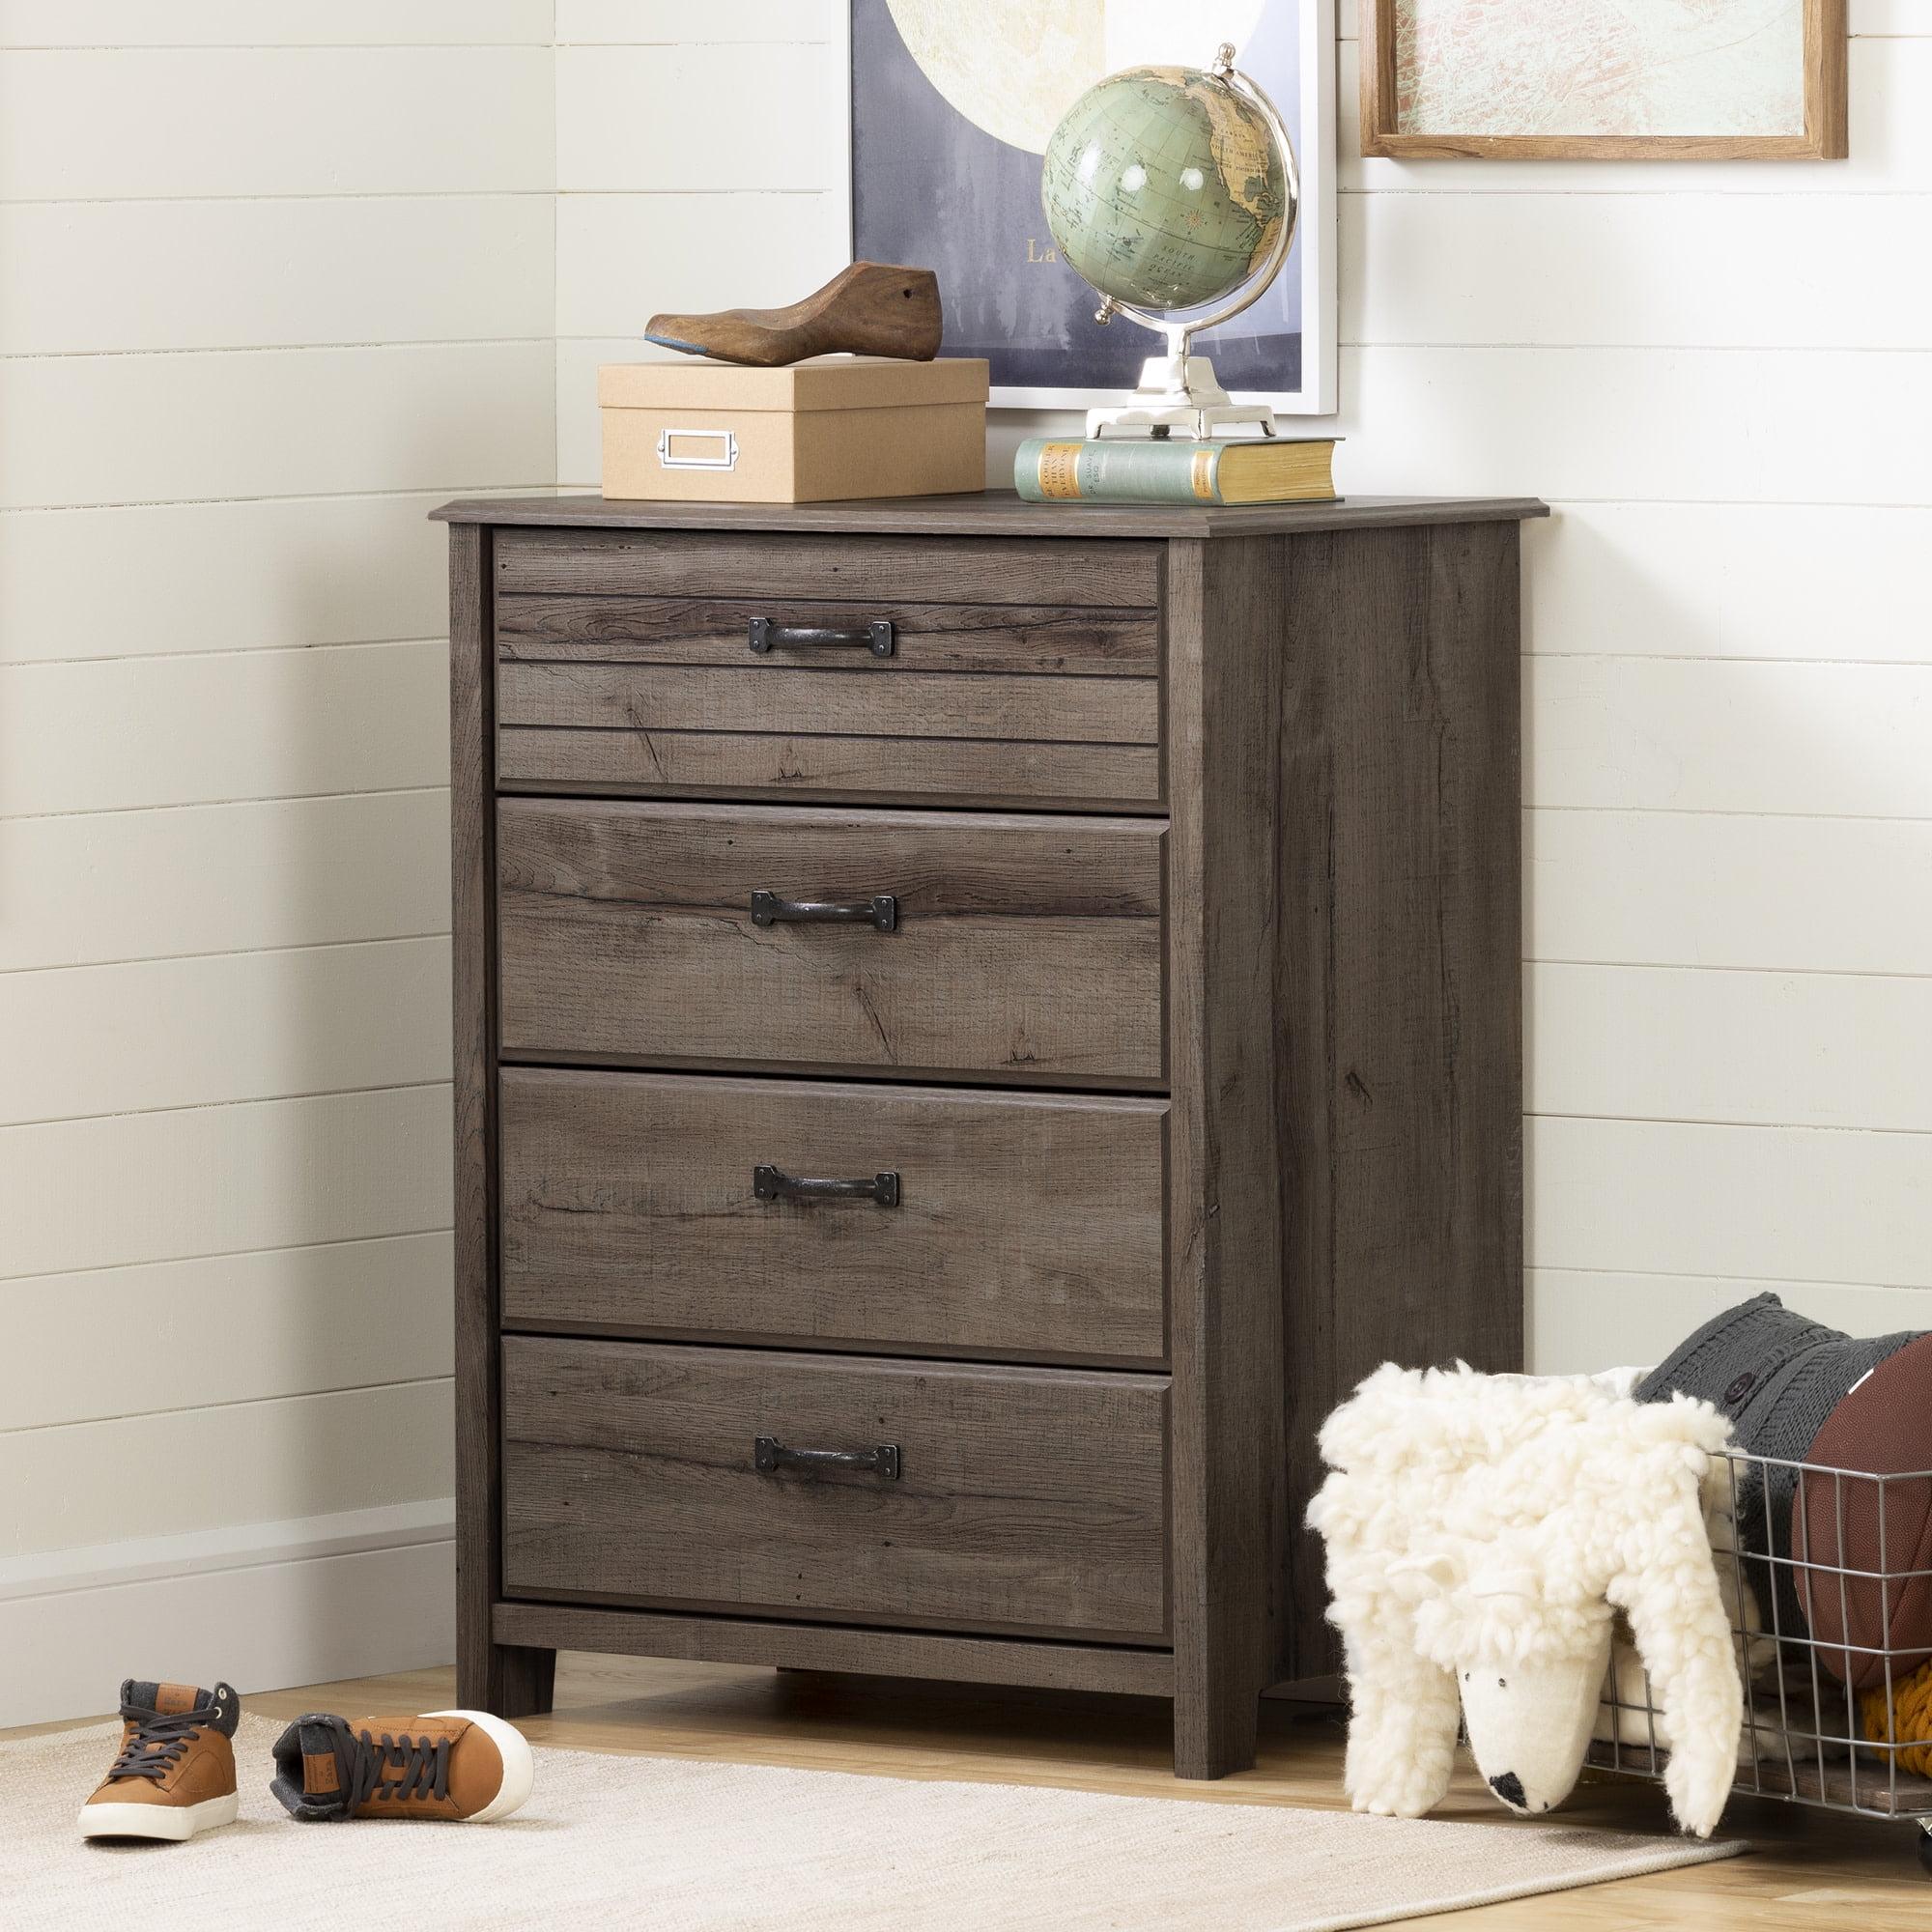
{"x": 887, "y": 732}
{"x": 817, "y": 673}
{"x": 1110, "y": 572}
{"x": 1029, "y": 1501}
{"x": 1016, "y": 1225}
{"x": 1022, "y": 949}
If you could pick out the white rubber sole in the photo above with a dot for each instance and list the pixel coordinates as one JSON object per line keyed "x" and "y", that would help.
{"x": 519, "y": 1765}
{"x": 158, "y": 1821}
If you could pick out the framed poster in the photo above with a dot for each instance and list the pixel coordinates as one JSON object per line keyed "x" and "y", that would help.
{"x": 951, "y": 109}
{"x": 1614, "y": 80}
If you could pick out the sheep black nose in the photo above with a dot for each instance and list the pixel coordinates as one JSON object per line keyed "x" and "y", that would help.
{"x": 1509, "y": 1788}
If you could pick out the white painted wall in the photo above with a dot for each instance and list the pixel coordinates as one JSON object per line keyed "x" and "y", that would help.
{"x": 1720, "y": 376}
{"x": 274, "y": 279}
{"x": 645, "y": 186}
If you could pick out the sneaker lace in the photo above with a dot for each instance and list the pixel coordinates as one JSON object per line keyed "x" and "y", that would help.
{"x": 420, "y": 1763}
{"x": 155, "y": 1742}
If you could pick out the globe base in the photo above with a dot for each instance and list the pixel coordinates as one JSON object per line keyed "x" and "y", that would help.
{"x": 1180, "y": 395}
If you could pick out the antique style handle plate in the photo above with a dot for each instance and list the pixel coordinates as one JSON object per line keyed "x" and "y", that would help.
{"x": 769, "y": 1456}
{"x": 767, "y": 637}
{"x": 697, "y": 449}
{"x": 881, "y": 911}
{"x": 773, "y": 1183}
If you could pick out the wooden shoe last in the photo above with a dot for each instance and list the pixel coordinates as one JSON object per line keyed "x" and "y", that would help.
{"x": 868, "y": 310}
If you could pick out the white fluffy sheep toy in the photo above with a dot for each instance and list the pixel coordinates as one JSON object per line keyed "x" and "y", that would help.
{"x": 1483, "y": 1531}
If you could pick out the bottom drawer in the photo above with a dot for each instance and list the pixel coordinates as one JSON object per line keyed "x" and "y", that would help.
{"x": 1024, "y": 1500}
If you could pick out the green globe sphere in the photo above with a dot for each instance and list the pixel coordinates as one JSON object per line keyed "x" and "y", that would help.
{"x": 1164, "y": 188}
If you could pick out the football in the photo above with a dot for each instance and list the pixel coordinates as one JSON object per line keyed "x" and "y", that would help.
{"x": 1863, "y": 1548}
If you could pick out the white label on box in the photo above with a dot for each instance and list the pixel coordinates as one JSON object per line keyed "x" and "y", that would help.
{"x": 718, "y": 449}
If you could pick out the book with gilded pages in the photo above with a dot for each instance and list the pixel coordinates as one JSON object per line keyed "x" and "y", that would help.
{"x": 1138, "y": 469}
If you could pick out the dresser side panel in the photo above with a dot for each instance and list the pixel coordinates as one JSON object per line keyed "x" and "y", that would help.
{"x": 1400, "y": 980}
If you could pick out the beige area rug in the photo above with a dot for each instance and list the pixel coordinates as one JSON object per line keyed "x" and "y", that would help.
{"x": 683, "y": 1845}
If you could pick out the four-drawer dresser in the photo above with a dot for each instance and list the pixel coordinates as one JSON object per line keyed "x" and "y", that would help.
{"x": 976, "y": 1024}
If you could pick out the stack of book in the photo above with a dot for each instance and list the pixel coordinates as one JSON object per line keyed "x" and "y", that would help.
{"x": 1175, "y": 469}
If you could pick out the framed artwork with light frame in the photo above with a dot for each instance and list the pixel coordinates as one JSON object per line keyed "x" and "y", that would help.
{"x": 1647, "y": 80}
{"x": 949, "y": 109}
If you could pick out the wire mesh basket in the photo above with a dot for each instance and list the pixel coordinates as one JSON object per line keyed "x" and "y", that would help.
{"x": 1839, "y": 1712}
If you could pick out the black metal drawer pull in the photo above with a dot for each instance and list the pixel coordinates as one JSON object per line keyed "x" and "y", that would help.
{"x": 773, "y": 1183}
{"x": 881, "y": 911}
{"x": 769, "y": 1454}
{"x": 767, "y": 637}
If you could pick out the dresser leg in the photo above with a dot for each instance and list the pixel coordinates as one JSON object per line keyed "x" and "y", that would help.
{"x": 528, "y": 1680}
{"x": 511, "y": 1680}
{"x": 1214, "y": 1735}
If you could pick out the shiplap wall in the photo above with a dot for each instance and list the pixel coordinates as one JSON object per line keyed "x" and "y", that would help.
{"x": 1720, "y": 376}
{"x": 274, "y": 278}
{"x": 645, "y": 193}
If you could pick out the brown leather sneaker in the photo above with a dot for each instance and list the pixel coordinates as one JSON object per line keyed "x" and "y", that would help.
{"x": 443, "y": 1764}
{"x": 175, "y": 1771}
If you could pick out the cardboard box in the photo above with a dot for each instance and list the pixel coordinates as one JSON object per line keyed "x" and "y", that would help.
{"x": 705, "y": 432}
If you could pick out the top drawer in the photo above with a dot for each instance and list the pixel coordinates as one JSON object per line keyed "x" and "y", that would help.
{"x": 876, "y": 668}
{"x": 1100, "y": 571}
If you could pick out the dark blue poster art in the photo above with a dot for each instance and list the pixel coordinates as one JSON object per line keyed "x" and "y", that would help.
{"x": 952, "y": 106}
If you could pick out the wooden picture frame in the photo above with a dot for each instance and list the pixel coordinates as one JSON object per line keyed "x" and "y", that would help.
{"x": 1824, "y": 135}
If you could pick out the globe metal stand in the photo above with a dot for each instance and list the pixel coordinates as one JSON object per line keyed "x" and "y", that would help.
{"x": 1180, "y": 391}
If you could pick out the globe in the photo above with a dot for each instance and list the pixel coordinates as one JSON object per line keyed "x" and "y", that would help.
{"x": 1164, "y": 188}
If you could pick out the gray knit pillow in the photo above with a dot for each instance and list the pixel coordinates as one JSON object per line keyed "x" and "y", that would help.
{"x": 1777, "y": 1375}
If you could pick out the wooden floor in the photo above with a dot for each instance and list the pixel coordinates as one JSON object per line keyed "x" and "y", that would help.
{"x": 1807, "y": 1869}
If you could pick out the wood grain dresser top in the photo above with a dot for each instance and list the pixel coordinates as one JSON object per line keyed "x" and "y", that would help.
{"x": 991, "y": 513}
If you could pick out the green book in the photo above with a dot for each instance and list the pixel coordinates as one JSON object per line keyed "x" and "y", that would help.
{"x": 1175, "y": 469}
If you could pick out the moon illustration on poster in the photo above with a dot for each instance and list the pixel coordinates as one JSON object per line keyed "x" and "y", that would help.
{"x": 1008, "y": 65}
{"x": 1013, "y": 66}
{"x": 952, "y": 110}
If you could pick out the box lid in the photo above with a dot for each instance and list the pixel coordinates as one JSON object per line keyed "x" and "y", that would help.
{"x": 823, "y": 382}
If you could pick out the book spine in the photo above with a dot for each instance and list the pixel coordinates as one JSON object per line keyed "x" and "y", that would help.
{"x": 1122, "y": 470}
